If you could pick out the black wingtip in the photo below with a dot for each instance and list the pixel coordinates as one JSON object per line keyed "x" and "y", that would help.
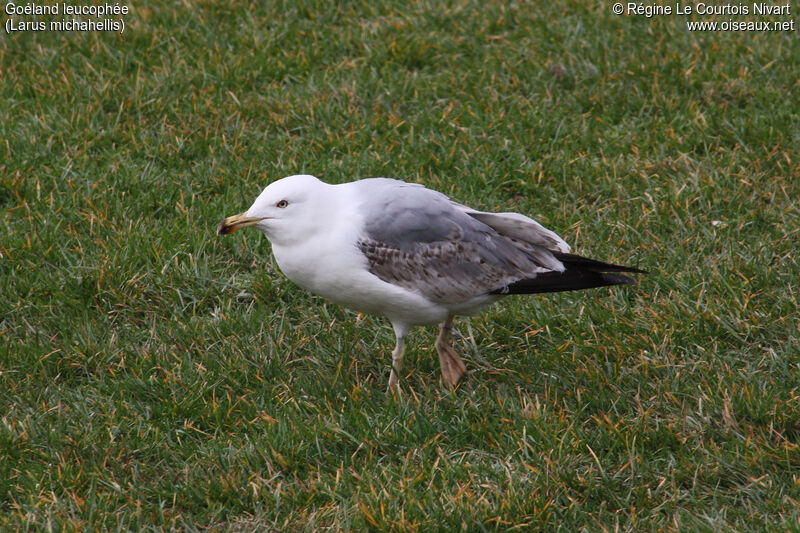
{"x": 569, "y": 280}
{"x": 584, "y": 263}
{"x": 618, "y": 279}
{"x": 579, "y": 273}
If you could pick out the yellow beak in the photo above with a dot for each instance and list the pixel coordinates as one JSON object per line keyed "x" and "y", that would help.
{"x": 231, "y": 224}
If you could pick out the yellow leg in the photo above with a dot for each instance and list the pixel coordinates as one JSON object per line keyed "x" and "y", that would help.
{"x": 453, "y": 368}
{"x": 397, "y": 363}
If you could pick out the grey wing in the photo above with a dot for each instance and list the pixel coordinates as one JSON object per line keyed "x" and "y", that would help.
{"x": 519, "y": 227}
{"x": 416, "y": 238}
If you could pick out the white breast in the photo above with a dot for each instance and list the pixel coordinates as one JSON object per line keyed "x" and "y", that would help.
{"x": 331, "y": 265}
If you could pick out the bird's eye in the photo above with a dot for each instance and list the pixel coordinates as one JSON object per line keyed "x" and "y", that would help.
{"x": 282, "y": 204}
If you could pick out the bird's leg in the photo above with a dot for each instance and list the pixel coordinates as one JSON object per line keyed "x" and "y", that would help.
{"x": 397, "y": 362}
{"x": 453, "y": 368}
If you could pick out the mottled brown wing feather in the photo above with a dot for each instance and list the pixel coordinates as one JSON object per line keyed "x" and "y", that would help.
{"x": 447, "y": 272}
{"x": 418, "y": 239}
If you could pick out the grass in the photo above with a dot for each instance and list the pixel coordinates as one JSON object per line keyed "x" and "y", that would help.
{"x": 155, "y": 376}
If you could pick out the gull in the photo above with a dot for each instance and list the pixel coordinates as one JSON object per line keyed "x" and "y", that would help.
{"x": 387, "y": 247}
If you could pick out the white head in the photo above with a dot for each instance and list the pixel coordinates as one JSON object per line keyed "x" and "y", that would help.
{"x": 285, "y": 211}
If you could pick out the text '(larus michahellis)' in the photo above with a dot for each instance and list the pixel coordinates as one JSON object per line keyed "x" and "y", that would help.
{"x": 386, "y": 247}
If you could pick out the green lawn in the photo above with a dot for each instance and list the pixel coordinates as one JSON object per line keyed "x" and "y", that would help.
{"x": 155, "y": 375}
